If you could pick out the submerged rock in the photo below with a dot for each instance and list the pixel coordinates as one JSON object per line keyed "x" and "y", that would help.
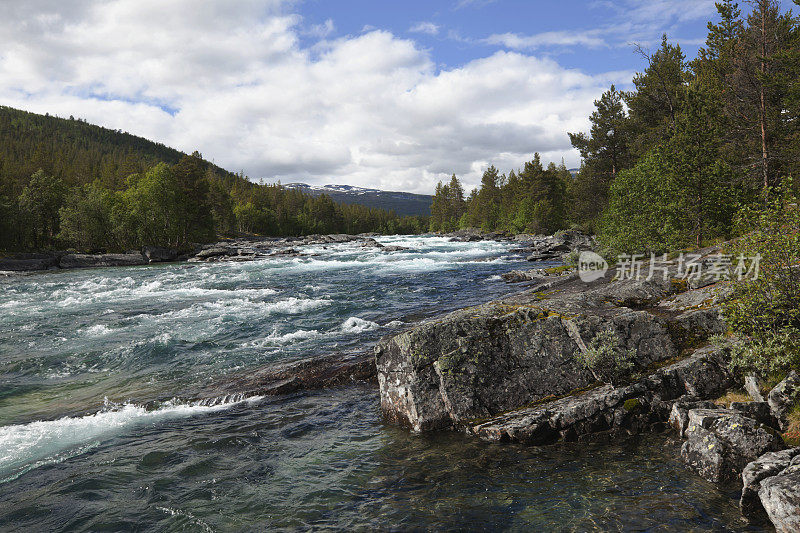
{"x": 304, "y": 374}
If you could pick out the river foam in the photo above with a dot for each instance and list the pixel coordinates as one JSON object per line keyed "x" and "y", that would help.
{"x": 24, "y": 447}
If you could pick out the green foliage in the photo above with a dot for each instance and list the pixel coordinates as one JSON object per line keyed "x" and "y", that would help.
{"x": 773, "y": 351}
{"x": 448, "y": 207}
{"x": 646, "y": 209}
{"x": 764, "y": 313}
{"x": 699, "y": 140}
{"x": 605, "y": 151}
{"x": 38, "y": 206}
{"x": 87, "y": 219}
{"x": 606, "y": 359}
{"x": 659, "y": 95}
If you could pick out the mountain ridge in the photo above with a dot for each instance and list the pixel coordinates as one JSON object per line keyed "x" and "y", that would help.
{"x": 402, "y": 203}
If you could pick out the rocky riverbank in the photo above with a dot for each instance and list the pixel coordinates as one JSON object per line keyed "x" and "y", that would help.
{"x": 509, "y": 371}
{"x": 534, "y": 247}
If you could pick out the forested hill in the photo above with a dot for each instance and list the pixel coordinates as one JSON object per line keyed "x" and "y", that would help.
{"x": 66, "y": 183}
{"x": 74, "y": 151}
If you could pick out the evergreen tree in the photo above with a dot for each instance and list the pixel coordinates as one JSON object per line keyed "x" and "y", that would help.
{"x": 655, "y": 104}
{"x": 604, "y": 152}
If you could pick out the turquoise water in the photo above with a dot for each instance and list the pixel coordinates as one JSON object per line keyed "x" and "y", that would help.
{"x": 99, "y": 429}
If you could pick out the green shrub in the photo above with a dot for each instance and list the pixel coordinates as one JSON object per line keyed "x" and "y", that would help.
{"x": 646, "y": 211}
{"x": 606, "y": 359}
{"x": 571, "y": 259}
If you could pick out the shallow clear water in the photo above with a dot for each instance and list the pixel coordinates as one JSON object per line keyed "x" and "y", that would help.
{"x": 81, "y": 353}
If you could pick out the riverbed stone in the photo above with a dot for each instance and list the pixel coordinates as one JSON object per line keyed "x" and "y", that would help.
{"x": 679, "y": 413}
{"x": 28, "y": 262}
{"x": 631, "y": 409}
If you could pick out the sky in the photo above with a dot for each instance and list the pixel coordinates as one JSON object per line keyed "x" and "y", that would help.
{"x": 395, "y": 95}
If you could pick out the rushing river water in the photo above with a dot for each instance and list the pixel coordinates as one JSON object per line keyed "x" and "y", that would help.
{"x": 98, "y": 430}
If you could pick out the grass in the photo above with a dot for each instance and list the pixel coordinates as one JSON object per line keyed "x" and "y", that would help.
{"x": 558, "y": 270}
{"x": 792, "y": 434}
{"x": 732, "y": 396}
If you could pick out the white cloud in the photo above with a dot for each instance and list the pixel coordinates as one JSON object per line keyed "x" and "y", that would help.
{"x": 628, "y": 21}
{"x": 321, "y": 30}
{"x": 469, "y": 3}
{"x": 424, "y": 27}
{"x": 234, "y": 81}
{"x": 515, "y": 41}
{"x": 660, "y": 11}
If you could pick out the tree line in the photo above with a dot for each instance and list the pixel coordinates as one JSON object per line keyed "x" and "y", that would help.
{"x": 669, "y": 163}
{"x": 66, "y": 183}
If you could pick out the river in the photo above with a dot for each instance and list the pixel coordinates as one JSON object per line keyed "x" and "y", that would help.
{"x": 99, "y": 429}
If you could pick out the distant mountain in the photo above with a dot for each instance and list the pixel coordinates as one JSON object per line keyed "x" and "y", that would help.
{"x": 402, "y": 203}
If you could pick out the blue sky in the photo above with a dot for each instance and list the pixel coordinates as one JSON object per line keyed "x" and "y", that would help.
{"x": 386, "y": 94}
{"x": 457, "y": 32}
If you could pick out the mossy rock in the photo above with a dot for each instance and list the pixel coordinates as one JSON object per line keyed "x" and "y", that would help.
{"x": 558, "y": 270}
{"x": 679, "y": 285}
{"x": 632, "y": 404}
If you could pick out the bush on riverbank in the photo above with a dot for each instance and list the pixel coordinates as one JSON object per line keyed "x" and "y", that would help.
{"x": 764, "y": 312}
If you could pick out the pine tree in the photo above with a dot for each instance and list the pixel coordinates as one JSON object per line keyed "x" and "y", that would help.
{"x": 605, "y": 151}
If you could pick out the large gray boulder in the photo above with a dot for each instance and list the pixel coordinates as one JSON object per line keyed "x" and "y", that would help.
{"x": 157, "y": 254}
{"x": 505, "y": 355}
{"x": 768, "y": 465}
{"x": 478, "y": 362}
{"x": 215, "y": 251}
{"x": 720, "y": 443}
{"x": 784, "y": 396}
{"x": 28, "y": 262}
{"x": 679, "y": 414}
{"x": 758, "y": 411}
{"x": 609, "y": 411}
{"x": 780, "y": 497}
